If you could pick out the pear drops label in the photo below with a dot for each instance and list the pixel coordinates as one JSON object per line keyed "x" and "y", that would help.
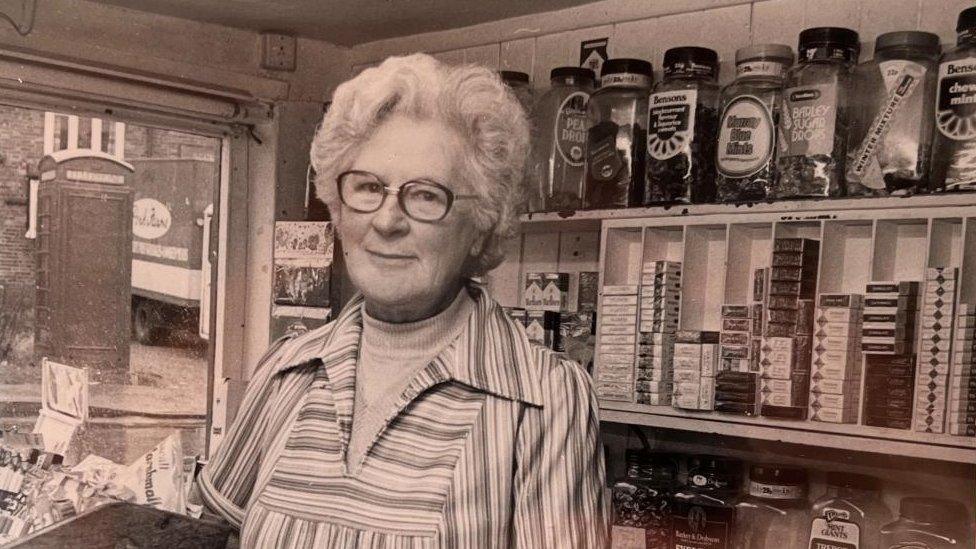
{"x": 570, "y": 128}
{"x": 671, "y": 123}
{"x": 746, "y": 137}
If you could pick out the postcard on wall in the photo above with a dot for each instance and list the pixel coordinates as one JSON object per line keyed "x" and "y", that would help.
{"x": 302, "y": 263}
{"x": 294, "y": 320}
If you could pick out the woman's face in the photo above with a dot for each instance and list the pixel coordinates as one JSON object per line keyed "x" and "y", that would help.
{"x": 408, "y": 269}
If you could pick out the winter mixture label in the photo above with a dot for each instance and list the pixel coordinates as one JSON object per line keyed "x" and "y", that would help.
{"x": 671, "y": 123}
{"x": 808, "y": 119}
{"x": 570, "y": 128}
{"x": 746, "y": 137}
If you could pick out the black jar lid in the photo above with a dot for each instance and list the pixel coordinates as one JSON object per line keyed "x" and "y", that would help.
{"x": 514, "y": 77}
{"x": 651, "y": 465}
{"x": 926, "y": 42}
{"x": 579, "y": 73}
{"x": 691, "y": 60}
{"x": 829, "y": 36}
{"x": 967, "y": 20}
{"x": 780, "y": 475}
{"x": 624, "y": 65}
{"x": 715, "y": 472}
{"x": 854, "y": 481}
{"x": 929, "y": 510}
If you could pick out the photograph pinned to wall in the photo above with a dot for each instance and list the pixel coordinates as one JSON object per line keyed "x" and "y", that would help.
{"x": 295, "y": 320}
{"x": 303, "y": 253}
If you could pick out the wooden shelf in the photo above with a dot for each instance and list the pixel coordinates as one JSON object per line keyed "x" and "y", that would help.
{"x": 583, "y": 220}
{"x": 826, "y": 435}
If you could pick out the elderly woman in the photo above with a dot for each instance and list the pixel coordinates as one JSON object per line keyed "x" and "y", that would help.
{"x": 422, "y": 416}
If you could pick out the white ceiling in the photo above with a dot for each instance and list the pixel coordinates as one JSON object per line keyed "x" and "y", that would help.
{"x": 345, "y": 22}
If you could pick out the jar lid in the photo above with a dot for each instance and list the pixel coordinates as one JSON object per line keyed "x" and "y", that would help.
{"x": 514, "y": 77}
{"x": 579, "y": 73}
{"x": 651, "y": 465}
{"x": 691, "y": 60}
{"x": 773, "y": 52}
{"x": 782, "y": 475}
{"x": 625, "y": 65}
{"x": 925, "y": 41}
{"x": 967, "y": 19}
{"x": 829, "y": 36}
{"x": 853, "y": 480}
{"x": 715, "y": 472}
{"x": 923, "y": 509}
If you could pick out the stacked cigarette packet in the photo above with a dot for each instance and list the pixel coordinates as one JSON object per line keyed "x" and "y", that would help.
{"x": 660, "y": 302}
{"x": 932, "y": 371}
{"x": 835, "y": 369}
{"x": 888, "y": 342}
{"x": 785, "y": 349}
{"x": 695, "y": 362}
{"x": 617, "y": 343}
{"x": 962, "y": 382}
{"x": 737, "y": 380}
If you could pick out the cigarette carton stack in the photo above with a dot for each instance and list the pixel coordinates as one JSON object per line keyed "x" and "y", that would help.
{"x": 660, "y": 298}
{"x": 542, "y": 327}
{"x": 695, "y": 361}
{"x": 737, "y": 383}
{"x": 785, "y": 349}
{"x": 546, "y": 291}
{"x": 932, "y": 371}
{"x": 835, "y": 372}
{"x": 962, "y": 383}
{"x": 888, "y": 343}
{"x": 889, "y": 317}
{"x": 617, "y": 343}
{"x": 888, "y": 390}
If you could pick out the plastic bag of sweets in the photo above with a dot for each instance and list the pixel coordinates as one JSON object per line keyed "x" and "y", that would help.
{"x": 814, "y": 119}
{"x": 682, "y": 120}
{"x": 892, "y": 120}
{"x": 616, "y": 135}
{"x": 746, "y": 152}
{"x": 954, "y": 152}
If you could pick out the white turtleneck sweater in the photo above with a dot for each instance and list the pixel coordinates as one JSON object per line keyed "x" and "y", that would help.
{"x": 389, "y": 356}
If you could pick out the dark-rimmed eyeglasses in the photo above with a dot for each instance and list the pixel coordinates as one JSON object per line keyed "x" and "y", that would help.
{"x": 419, "y": 199}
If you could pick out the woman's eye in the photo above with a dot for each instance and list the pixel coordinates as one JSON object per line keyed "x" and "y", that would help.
{"x": 426, "y": 196}
{"x": 372, "y": 187}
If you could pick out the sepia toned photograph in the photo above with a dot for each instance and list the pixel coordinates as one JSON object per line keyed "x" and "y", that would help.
{"x": 544, "y": 274}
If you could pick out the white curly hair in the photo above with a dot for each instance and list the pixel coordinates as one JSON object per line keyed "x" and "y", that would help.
{"x": 470, "y": 99}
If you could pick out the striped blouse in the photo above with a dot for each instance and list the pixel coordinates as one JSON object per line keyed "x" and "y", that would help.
{"x": 494, "y": 444}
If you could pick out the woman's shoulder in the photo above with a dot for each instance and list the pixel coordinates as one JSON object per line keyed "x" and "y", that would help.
{"x": 294, "y": 349}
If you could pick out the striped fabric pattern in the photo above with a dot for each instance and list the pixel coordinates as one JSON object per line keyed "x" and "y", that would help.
{"x": 494, "y": 444}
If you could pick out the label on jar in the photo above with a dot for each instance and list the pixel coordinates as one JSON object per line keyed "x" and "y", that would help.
{"x": 760, "y": 68}
{"x": 570, "y": 128}
{"x": 605, "y": 162}
{"x": 956, "y": 108}
{"x": 670, "y": 123}
{"x": 898, "y": 116}
{"x": 775, "y": 491}
{"x": 832, "y": 530}
{"x": 746, "y": 137}
{"x": 808, "y": 119}
{"x": 628, "y": 537}
{"x": 702, "y": 526}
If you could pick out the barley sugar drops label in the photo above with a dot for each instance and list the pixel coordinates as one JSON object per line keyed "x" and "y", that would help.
{"x": 809, "y": 116}
{"x": 746, "y": 137}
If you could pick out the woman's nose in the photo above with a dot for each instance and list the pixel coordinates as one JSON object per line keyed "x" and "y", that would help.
{"x": 390, "y": 218}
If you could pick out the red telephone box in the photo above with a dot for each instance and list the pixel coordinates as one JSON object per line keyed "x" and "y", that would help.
{"x": 84, "y": 261}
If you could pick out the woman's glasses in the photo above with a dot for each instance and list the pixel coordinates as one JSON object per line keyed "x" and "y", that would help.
{"x": 425, "y": 201}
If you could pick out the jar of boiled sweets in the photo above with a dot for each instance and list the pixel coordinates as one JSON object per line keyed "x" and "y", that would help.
{"x": 930, "y": 523}
{"x": 849, "y": 514}
{"x": 892, "y": 118}
{"x": 954, "y": 153}
{"x": 559, "y": 140}
{"x": 745, "y": 158}
{"x": 642, "y": 501}
{"x": 703, "y": 510}
{"x": 682, "y": 118}
{"x": 616, "y": 135}
{"x": 775, "y": 511}
{"x": 814, "y": 121}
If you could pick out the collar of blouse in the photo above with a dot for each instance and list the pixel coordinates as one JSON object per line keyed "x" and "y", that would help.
{"x": 492, "y": 353}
